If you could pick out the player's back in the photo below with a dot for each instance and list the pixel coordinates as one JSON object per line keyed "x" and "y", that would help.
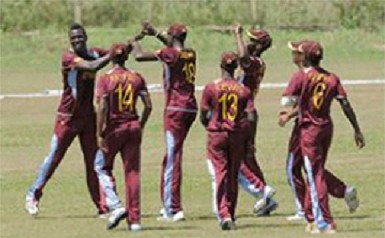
{"x": 179, "y": 77}
{"x": 122, "y": 88}
{"x": 229, "y": 101}
{"x": 319, "y": 89}
{"x": 253, "y": 73}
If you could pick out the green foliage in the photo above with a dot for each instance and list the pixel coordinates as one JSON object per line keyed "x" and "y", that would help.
{"x": 26, "y": 15}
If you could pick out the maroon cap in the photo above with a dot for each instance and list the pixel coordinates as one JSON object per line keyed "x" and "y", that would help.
{"x": 311, "y": 49}
{"x": 294, "y": 45}
{"x": 228, "y": 58}
{"x": 177, "y": 29}
{"x": 259, "y": 35}
{"x": 118, "y": 50}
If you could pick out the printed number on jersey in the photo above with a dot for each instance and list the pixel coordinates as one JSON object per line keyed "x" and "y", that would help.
{"x": 125, "y": 97}
{"x": 189, "y": 71}
{"x": 319, "y": 90}
{"x": 229, "y": 105}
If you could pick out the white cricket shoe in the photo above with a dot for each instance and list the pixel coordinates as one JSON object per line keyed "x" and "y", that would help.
{"x": 115, "y": 217}
{"x": 330, "y": 229}
{"x": 135, "y": 227}
{"x": 351, "y": 199}
{"x": 31, "y": 205}
{"x": 270, "y": 206}
{"x": 262, "y": 203}
{"x": 296, "y": 217}
{"x": 161, "y": 212}
{"x": 179, "y": 216}
{"x": 227, "y": 224}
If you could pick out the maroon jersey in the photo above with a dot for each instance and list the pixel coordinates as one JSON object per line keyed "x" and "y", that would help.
{"x": 253, "y": 73}
{"x": 315, "y": 88}
{"x": 228, "y": 101}
{"x": 179, "y": 78}
{"x": 121, "y": 88}
{"x": 78, "y": 85}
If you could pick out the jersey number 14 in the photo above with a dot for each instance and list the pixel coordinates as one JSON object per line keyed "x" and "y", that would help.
{"x": 125, "y": 97}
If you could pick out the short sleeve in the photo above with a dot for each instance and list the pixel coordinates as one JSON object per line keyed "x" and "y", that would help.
{"x": 340, "y": 92}
{"x": 294, "y": 87}
{"x": 101, "y": 88}
{"x": 206, "y": 99}
{"x": 143, "y": 90}
{"x": 69, "y": 61}
{"x": 167, "y": 55}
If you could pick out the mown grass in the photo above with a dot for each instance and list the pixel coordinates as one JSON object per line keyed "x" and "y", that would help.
{"x": 31, "y": 63}
{"x": 66, "y": 210}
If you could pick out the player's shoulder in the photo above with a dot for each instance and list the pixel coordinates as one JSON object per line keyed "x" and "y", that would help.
{"x": 190, "y": 51}
{"x": 68, "y": 54}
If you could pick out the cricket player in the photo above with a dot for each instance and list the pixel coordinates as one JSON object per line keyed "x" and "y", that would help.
{"x": 313, "y": 90}
{"x": 179, "y": 67}
{"x": 294, "y": 165}
{"x": 251, "y": 176}
{"x": 225, "y": 102}
{"x": 119, "y": 129}
{"x": 75, "y": 117}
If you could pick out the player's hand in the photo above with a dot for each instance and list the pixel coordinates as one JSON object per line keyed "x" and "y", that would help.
{"x": 359, "y": 138}
{"x": 148, "y": 29}
{"x": 102, "y": 144}
{"x": 283, "y": 118}
{"x": 237, "y": 29}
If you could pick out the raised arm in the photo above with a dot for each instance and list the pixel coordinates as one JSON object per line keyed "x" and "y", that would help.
{"x": 243, "y": 52}
{"x": 149, "y": 29}
{"x": 92, "y": 65}
{"x": 140, "y": 55}
{"x": 349, "y": 113}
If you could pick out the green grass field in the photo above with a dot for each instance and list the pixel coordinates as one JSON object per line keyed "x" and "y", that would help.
{"x": 66, "y": 210}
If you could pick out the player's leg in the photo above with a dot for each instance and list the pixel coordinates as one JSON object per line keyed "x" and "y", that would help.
{"x": 64, "y": 134}
{"x": 237, "y": 151}
{"x": 177, "y": 125}
{"x": 337, "y": 188}
{"x": 88, "y": 144}
{"x": 314, "y": 153}
{"x": 217, "y": 146}
{"x": 250, "y": 175}
{"x": 297, "y": 184}
{"x": 104, "y": 165}
{"x": 294, "y": 167}
{"x": 131, "y": 163}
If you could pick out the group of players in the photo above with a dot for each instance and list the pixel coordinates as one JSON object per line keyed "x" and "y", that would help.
{"x": 227, "y": 112}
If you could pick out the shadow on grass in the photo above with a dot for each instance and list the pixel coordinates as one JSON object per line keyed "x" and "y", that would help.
{"x": 162, "y": 228}
{"x": 275, "y": 225}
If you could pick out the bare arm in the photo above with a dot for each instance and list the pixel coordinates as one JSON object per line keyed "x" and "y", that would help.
{"x": 252, "y": 118}
{"x": 243, "y": 52}
{"x": 204, "y": 117}
{"x": 140, "y": 55}
{"x": 149, "y": 29}
{"x": 286, "y": 115}
{"x": 93, "y": 65}
{"x": 147, "y": 109}
{"x": 349, "y": 113}
{"x": 101, "y": 117}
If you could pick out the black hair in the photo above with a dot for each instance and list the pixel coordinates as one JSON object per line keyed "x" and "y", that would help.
{"x": 77, "y": 26}
{"x": 312, "y": 61}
